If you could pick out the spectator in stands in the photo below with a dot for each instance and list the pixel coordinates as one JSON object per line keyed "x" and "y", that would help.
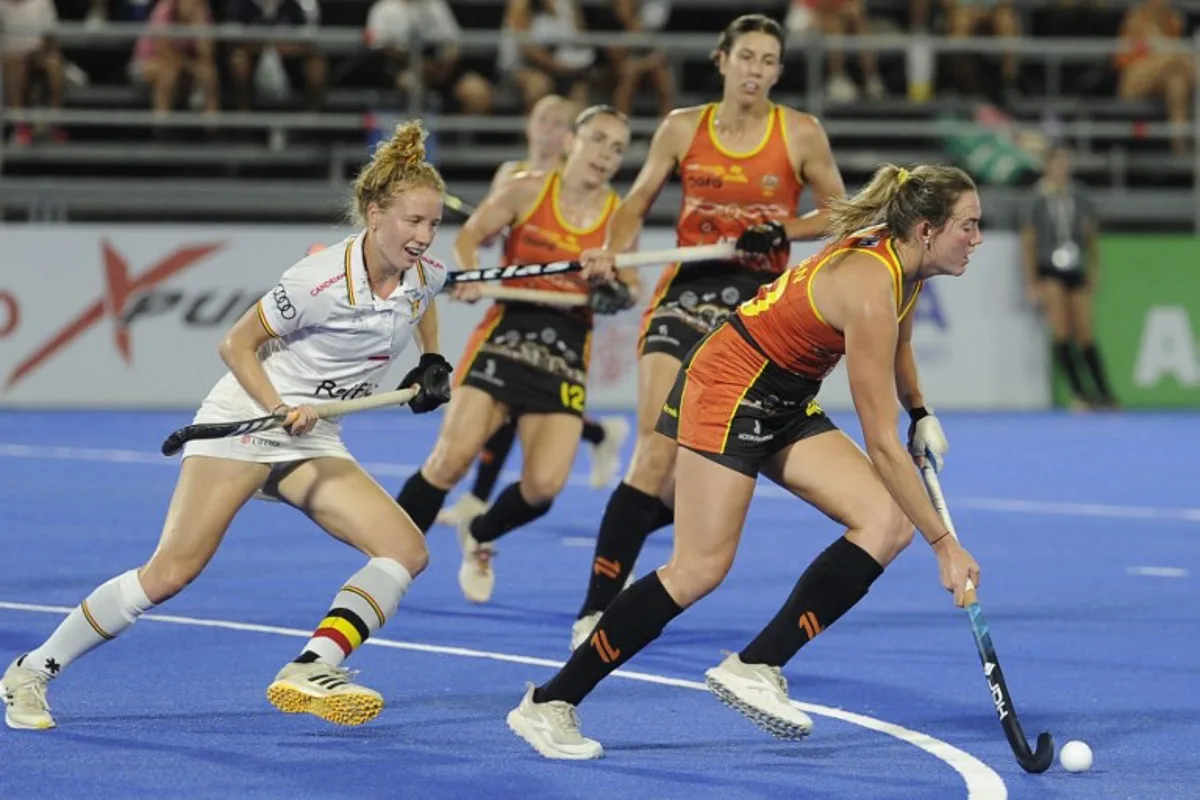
{"x": 276, "y": 66}
{"x": 633, "y": 66}
{"x": 839, "y": 18}
{"x": 1059, "y": 232}
{"x": 966, "y": 18}
{"x": 390, "y": 23}
{"x": 536, "y": 70}
{"x": 30, "y": 51}
{"x": 160, "y": 62}
{"x": 1146, "y": 73}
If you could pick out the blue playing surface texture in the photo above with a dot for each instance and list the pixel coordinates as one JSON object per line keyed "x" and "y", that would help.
{"x": 1087, "y": 528}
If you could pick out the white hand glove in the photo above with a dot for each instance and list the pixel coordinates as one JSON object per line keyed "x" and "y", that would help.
{"x": 925, "y": 436}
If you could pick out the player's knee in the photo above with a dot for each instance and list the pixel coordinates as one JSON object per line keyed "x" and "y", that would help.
{"x": 890, "y": 529}
{"x": 540, "y": 485}
{"x": 163, "y": 578}
{"x": 652, "y": 463}
{"x": 409, "y": 552}
{"x": 448, "y": 463}
{"x": 688, "y": 579}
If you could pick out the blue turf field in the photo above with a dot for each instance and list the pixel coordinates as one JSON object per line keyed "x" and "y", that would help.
{"x": 1064, "y": 513}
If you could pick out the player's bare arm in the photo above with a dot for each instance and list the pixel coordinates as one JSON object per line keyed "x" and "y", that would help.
{"x": 908, "y": 383}
{"x": 239, "y": 351}
{"x": 868, "y": 317}
{"x": 499, "y": 210}
{"x": 811, "y": 153}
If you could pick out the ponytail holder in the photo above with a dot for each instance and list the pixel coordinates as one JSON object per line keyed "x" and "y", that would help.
{"x": 902, "y": 177}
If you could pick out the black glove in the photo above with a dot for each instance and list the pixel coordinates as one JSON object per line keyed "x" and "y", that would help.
{"x": 433, "y": 373}
{"x": 763, "y": 240}
{"x": 610, "y": 297}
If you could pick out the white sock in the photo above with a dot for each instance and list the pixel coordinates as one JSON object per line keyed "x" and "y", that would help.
{"x": 106, "y": 612}
{"x": 362, "y": 607}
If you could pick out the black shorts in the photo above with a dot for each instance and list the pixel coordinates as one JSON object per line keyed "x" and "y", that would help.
{"x": 1071, "y": 279}
{"x": 734, "y": 406}
{"x": 532, "y": 359}
{"x": 691, "y": 301}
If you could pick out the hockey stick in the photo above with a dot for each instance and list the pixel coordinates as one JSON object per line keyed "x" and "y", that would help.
{"x": 1036, "y": 761}
{"x": 220, "y": 430}
{"x": 681, "y": 255}
{"x": 457, "y": 205}
{"x": 534, "y": 296}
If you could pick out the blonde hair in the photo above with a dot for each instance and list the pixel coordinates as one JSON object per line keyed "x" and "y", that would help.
{"x": 398, "y": 165}
{"x": 900, "y": 198}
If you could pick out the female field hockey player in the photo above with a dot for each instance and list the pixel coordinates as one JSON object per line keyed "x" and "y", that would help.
{"x": 743, "y": 163}
{"x": 525, "y": 357}
{"x": 329, "y": 329}
{"x": 745, "y": 404}
{"x": 546, "y": 133}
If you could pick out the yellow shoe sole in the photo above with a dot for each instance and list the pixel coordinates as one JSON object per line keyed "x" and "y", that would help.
{"x": 340, "y": 709}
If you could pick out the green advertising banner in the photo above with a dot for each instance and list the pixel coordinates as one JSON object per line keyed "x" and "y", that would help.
{"x": 1147, "y": 321}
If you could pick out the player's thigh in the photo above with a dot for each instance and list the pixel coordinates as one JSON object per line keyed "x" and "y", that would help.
{"x": 831, "y": 472}
{"x": 711, "y": 505}
{"x": 549, "y": 443}
{"x": 1079, "y": 302}
{"x": 471, "y": 418}
{"x": 339, "y": 495}
{"x": 208, "y": 494}
{"x": 653, "y": 454}
{"x": 1055, "y": 307}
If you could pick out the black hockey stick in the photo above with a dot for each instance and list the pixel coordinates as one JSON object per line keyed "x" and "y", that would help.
{"x": 1035, "y": 761}
{"x": 705, "y": 252}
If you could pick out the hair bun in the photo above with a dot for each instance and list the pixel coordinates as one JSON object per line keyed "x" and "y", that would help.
{"x": 407, "y": 145}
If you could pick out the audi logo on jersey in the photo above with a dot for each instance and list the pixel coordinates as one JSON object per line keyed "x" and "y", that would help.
{"x": 283, "y": 303}
{"x": 330, "y": 389}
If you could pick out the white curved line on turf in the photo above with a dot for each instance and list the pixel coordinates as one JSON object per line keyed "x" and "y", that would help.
{"x": 764, "y": 490}
{"x": 983, "y": 783}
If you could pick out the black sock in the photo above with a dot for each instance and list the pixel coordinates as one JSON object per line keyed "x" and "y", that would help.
{"x": 1065, "y": 358}
{"x": 835, "y": 580}
{"x": 492, "y": 459}
{"x": 422, "y": 500}
{"x": 631, "y": 516}
{"x": 634, "y": 620}
{"x": 510, "y": 510}
{"x": 1091, "y": 357}
{"x": 593, "y": 433}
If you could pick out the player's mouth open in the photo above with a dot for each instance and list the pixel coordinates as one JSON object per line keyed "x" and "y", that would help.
{"x": 414, "y": 250}
{"x": 750, "y": 87}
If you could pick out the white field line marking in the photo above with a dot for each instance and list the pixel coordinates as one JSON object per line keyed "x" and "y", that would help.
{"x": 765, "y": 490}
{"x": 983, "y": 783}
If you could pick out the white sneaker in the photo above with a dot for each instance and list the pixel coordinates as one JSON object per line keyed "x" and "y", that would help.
{"x": 475, "y": 575}
{"x": 24, "y": 693}
{"x": 466, "y": 507}
{"x": 582, "y": 629}
{"x": 760, "y": 693}
{"x": 606, "y": 456}
{"x": 552, "y": 728}
{"x": 324, "y": 691}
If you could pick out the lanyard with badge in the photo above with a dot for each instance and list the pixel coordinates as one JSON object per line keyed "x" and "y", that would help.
{"x": 1062, "y": 209}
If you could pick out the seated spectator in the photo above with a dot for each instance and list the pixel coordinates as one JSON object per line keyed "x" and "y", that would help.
{"x": 967, "y": 18}
{"x": 391, "y": 23}
{"x": 160, "y": 62}
{"x": 1145, "y": 73}
{"x": 536, "y": 70}
{"x": 30, "y": 53}
{"x": 275, "y": 66}
{"x": 633, "y": 66}
{"x": 839, "y": 18}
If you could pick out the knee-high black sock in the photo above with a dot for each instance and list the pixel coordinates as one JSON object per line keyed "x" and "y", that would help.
{"x": 1091, "y": 357}
{"x": 510, "y": 510}
{"x": 631, "y": 516}
{"x": 593, "y": 432}
{"x": 1065, "y": 358}
{"x": 634, "y": 620}
{"x": 836, "y": 579}
{"x": 422, "y": 500}
{"x": 492, "y": 459}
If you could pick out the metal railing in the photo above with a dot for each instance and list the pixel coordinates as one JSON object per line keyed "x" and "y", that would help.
{"x": 811, "y": 51}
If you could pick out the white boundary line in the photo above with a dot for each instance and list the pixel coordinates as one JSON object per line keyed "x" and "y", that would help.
{"x": 983, "y": 783}
{"x": 765, "y": 490}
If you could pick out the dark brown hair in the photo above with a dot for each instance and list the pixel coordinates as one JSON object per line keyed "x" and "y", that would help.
{"x": 749, "y": 23}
